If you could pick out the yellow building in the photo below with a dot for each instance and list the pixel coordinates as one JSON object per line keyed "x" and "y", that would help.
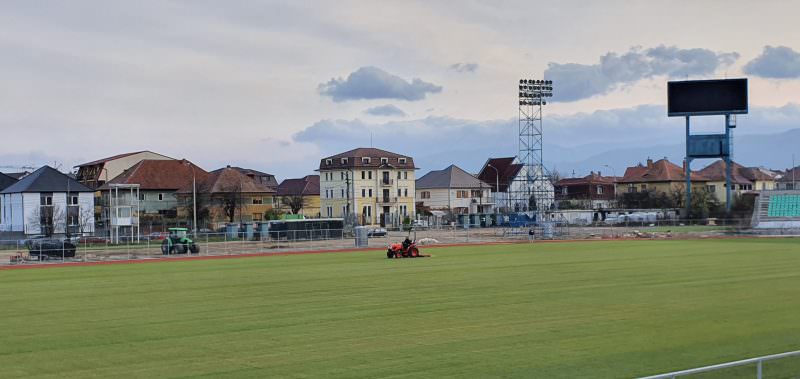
{"x": 299, "y": 196}
{"x": 659, "y": 176}
{"x": 228, "y": 195}
{"x": 743, "y": 179}
{"x": 371, "y": 185}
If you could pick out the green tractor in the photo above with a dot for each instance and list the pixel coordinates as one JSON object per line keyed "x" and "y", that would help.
{"x": 178, "y": 243}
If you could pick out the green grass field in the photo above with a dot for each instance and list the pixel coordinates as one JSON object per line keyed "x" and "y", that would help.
{"x": 573, "y": 310}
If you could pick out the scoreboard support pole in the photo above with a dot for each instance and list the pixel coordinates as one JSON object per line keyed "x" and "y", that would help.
{"x": 688, "y": 172}
{"x": 728, "y": 169}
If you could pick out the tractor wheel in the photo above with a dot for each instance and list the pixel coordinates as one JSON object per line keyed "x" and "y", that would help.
{"x": 179, "y": 248}
{"x": 194, "y": 249}
{"x": 414, "y": 253}
{"x": 165, "y": 250}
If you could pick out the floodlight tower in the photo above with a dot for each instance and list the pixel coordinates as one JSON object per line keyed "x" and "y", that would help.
{"x": 532, "y": 190}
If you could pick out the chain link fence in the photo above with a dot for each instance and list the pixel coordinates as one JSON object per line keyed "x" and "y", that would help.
{"x": 151, "y": 246}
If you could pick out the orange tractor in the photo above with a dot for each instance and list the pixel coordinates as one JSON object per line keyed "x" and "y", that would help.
{"x": 406, "y": 249}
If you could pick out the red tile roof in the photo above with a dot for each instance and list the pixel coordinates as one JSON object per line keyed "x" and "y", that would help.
{"x": 716, "y": 172}
{"x": 228, "y": 180}
{"x": 155, "y": 174}
{"x": 593, "y": 178}
{"x": 305, "y": 186}
{"x": 658, "y": 171}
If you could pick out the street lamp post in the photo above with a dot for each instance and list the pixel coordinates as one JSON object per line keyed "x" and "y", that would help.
{"x": 496, "y": 185}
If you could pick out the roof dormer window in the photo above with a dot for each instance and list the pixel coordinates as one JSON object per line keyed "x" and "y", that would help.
{"x": 402, "y": 160}
{"x": 384, "y": 160}
{"x": 328, "y": 162}
{"x": 344, "y": 160}
{"x": 365, "y": 160}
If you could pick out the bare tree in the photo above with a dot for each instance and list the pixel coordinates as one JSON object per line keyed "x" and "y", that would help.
{"x": 48, "y": 219}
{"x": 86, "y": 220}
{"x": 232, "y": 202}
{"x": 295, "y": 203}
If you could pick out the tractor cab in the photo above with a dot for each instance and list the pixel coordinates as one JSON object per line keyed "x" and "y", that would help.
{"x": 178, "y": 242}
{"x": 178, "y": 233}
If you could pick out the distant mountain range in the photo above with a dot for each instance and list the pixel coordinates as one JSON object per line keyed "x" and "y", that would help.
{"x": 772, "y": 151}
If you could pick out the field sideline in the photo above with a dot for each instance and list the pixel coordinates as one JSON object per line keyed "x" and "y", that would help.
{"x": 600, "y": 309}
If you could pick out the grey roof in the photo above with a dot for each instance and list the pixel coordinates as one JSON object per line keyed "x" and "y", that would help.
{"x": 451, "y": 177}
{"x": 47, "y": 179}
{"x": 6, "y": 181}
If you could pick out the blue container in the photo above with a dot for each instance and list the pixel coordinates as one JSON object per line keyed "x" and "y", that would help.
{"x": 232, "y": 231}
{"x": 249, "y": 231}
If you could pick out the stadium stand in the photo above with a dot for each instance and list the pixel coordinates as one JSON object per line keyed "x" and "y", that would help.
{"x": 777, "y": 209}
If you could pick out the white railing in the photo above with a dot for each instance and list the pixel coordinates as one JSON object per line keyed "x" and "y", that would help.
{"x": 759, "y": 361}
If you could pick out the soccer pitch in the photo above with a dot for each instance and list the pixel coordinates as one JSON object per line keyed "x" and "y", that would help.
{"x": 583, "y": 309}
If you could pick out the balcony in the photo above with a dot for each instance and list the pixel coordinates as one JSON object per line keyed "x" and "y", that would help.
{"x": 387, "y": 200}
{"x": 387, "y": 182}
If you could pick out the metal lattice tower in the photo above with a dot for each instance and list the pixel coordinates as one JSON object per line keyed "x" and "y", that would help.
{"x": 532, "y": 191}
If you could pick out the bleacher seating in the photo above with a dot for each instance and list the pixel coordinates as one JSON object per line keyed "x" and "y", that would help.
{"x": 784, "y": 206}
{"x": 777, "y": 209}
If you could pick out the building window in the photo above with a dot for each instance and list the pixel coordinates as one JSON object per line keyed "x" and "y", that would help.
{"x": 370, "y": 192}
{"x": 631, "y": 188}
{"x": 330, "y": 211}
{"x": 402, "y": 160}
{"x": 161, "y": 197}
{"x": 258, "y": 200}
{"x": 141, "y": 196}
{"x": 563, "y": 190}
{"x": 399, "y": 192}
{"x": 365, "y": 160}
{"x": 369, "y": 174}
{"x": 342, "y": 192}
{"x": 712, "y": 188}
{"x": 644, "y": 187}
{"x": 328, "y": 162}
{"x": 599, "y": 190}
{"x": 384, "y": 160}
{"x": 405, "y": 174}
{"x": 405, "y": 192}
{"x": 342, "y": 175}
{"x": 46, "y": 199}
{"x": 344, "y": 160}
{"x": 258, "y": 216}
{"x": 475, "y": 193}
{"x": 363, "y": 175}
{"x": 424, "y": 195}
{"x": 399, "y": 175}
{"x": 461, "y": 194}
{"x": 363, "y": 192}
{"x": 73, "y": 200}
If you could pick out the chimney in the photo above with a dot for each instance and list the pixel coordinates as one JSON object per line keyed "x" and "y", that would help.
{"x": 649, "y": 163}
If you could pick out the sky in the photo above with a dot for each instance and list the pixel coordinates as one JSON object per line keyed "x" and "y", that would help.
{"x": 276, "y": 86}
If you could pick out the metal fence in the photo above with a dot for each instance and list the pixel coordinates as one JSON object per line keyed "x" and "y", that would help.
{"x": 758, "y": 362}
{"x": 89, "y": 248}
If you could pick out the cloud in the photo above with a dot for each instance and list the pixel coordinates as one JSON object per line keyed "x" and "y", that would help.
{"x": 621, "y": 136}
{"x": 777, "y": 62}
{"x": 464, "y": 67}
{"x": 385, "y": 110}
{"x": 373, "y": 83}
{"x": 575, "y": 81}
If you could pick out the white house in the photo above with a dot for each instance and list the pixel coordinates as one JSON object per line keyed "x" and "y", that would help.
{"x": 455, "y": 190}
{"x": 47, "y": 202}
